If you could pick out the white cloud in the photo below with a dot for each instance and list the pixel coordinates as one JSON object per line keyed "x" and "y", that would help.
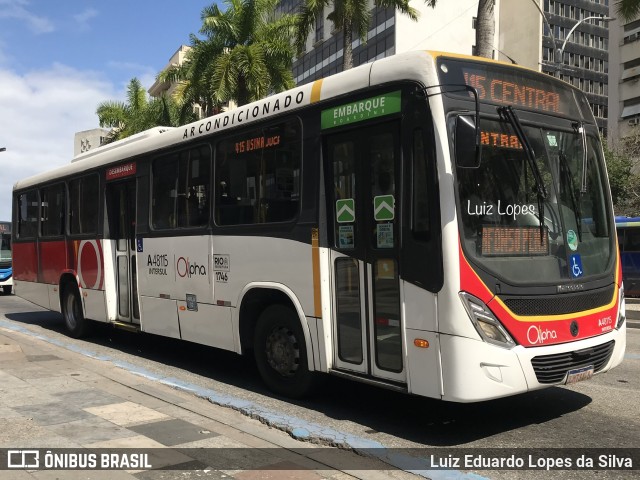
{"x": 17, "y": 9}
{"x": 41, "y": 112}
{"x": 83, "y": 18}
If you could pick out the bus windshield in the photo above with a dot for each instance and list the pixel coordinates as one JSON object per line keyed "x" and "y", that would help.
{"x": 5, "y": 245}
{"x": 524, "y": 232}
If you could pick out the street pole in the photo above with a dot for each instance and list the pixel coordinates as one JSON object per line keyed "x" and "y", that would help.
{"x": 564, "y": 44}
{"x": 559, "y": 52}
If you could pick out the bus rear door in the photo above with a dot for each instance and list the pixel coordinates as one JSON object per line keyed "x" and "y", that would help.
{"x": 121, "y": 205}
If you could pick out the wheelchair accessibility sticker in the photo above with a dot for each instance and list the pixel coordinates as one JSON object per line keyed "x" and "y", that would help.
{"x": 575, "y": 266}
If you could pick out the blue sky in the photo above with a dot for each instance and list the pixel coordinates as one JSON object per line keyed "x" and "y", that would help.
{"x": 60, "y": 59}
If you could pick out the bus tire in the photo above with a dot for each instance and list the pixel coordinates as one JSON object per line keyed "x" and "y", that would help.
{"x": 77, "y": 326}
{"x": 281, "y": 353}
{"x": 6, "y": 289}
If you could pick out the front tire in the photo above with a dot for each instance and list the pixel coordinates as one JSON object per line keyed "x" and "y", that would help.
{"x": 77, "y": 326}
{"x": 281, "y": 353}
{"x": 6, "y": 289}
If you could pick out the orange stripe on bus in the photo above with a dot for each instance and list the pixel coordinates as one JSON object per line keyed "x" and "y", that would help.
{"x": 315, "y": 261}
{"x": 315, "y": 91}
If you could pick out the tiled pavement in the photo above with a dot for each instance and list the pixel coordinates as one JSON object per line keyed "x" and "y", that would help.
{"x": 52, "y": 398}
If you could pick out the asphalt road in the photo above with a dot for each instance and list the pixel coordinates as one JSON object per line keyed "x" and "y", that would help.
{"x": 601, "y": 413}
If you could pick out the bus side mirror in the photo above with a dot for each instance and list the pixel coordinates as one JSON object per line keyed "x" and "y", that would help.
{"x": 467, "y": 143}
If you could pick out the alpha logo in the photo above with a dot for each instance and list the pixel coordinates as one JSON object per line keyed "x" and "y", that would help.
{"x": 186, "y": 268}
{"x": 538, "y": 336}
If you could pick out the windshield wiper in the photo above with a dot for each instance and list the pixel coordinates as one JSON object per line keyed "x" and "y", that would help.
{"x": 510, "y": 115}
{"x": 575, "y": 205}
{"x": 579, "y": 126}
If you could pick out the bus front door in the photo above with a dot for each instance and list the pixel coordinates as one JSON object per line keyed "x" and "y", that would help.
{"x": 121, "y": 201}
{"x": 362, "y": 171}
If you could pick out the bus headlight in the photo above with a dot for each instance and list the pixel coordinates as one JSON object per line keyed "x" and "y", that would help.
{"x": 622, "y": 311}
{"x": 487, "y": 325}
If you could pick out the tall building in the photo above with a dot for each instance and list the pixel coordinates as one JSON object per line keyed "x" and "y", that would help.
{"x": 177, "y": 59}
{"x": 624, "y": 101}
{"x": 168, "y": 88}
{"x": 447, "y": 27}
{"x": 528, "y": 32}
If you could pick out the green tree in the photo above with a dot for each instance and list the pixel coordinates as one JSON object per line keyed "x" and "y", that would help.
{"x": 628, "y": 9}
{"x": 622, "y": 166}
{"x": 138, "y": 113}
{"x": 619, "y": 170}
{"x": 246, "y": 54}
{"x": 119, "y": 116}
{"x": 352, "y": 17}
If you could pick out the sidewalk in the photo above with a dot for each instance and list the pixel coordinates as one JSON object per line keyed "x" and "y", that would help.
{"x": 52, "y": 398}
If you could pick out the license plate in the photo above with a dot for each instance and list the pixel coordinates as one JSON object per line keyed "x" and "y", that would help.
{"x": 579, "y": 374}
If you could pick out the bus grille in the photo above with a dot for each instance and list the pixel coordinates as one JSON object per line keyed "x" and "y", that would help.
{"x": 559, "y": 304}
{"x": 5, "y": 264}
{"x": 554, "y": 368}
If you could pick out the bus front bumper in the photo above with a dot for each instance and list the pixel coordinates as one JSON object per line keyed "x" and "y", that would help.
{"x": 473, "y": 370}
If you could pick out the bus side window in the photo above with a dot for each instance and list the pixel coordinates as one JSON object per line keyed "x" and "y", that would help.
{"x": 621, "y": 234}
{"x": 53, "y": 210}
{"x": 632, "y": 240}
{"x": 198, "y": 179}
{"x": 257, "y": 175}
{"x": 164, "y": 192}
{"x": 28, "y": 206}
{"x": 83, "y": 205}
{"x": 420, "y": 190}
{"x": 180, "y": 189}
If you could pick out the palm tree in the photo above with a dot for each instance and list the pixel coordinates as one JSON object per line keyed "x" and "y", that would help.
{"x": 485, "y": 28}
{"x": 628, "y": 9}
{"x": 120, "y": 116}
{"x": 245, "y": 55}
{"x": 350, "y": 16}
{"x": 138, "y": 114}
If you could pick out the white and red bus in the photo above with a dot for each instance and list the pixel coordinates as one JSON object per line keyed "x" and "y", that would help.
{"x": 436, "y": 224}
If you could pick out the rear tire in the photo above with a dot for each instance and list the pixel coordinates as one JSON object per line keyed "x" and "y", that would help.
{"x": 77, "y": 326}
{"x": 6, "y": 289}
{"x": 281, "y": 353}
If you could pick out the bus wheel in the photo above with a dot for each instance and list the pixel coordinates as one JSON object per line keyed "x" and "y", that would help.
{"x": 6, "y": 289}
{"x": 77, "y": 325}
{"x": 281, "y": 353}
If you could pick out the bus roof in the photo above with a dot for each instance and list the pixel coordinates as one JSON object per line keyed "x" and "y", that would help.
{"x": 417, "y": 66}
{"x": 410, "y": 65}
{"x": 627, "y": 221}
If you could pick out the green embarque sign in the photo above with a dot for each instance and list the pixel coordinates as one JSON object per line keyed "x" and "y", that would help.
{"x": 361, "y": 110}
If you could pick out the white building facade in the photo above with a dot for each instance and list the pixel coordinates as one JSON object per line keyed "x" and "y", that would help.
{"x": 447, "y": 27}
{"x": 624, "y": 100}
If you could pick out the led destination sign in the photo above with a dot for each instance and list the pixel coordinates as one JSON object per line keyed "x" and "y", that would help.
{"x": 500, "y": 140}
{"x": 514, "y": 241}
{"x": 511, "y": 93}
{"x": 509, "y": 86}
{"x": 257, "y": 143}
